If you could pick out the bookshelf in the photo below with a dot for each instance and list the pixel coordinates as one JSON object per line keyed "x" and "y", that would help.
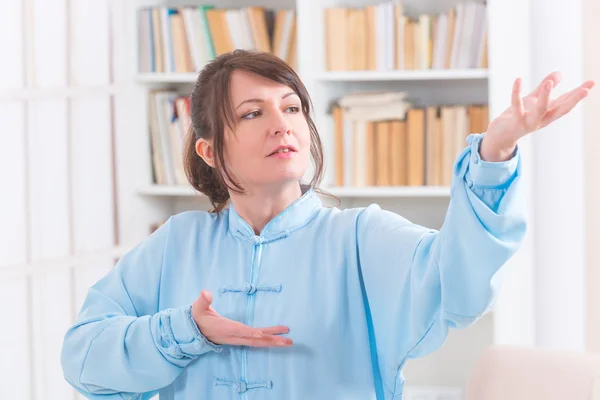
{"x": 343, "y": 76}
{"x": 399, "y": 75}
{"x": 169, "y": 78}
{"x": 344, "y": 192}
{"x": 142, "y": 202}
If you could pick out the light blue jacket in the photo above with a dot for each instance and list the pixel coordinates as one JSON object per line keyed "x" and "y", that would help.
{"x": 362, "y": 290}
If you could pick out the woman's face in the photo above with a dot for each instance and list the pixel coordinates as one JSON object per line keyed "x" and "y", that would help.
{"x": 271, "y": 142}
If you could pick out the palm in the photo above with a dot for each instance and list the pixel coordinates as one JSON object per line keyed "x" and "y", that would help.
{"x": 536, "y": 110}
{"x": 221, "y": 330}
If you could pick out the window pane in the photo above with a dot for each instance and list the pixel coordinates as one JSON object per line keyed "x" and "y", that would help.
{"x": 13, "y": 178}
{"x": 90, "y": 39}
{"x": 50, "y": 42}
{"x": 11, "y": 44}
{"x": 49, "y": 181}
{"x": 92, "y": 174}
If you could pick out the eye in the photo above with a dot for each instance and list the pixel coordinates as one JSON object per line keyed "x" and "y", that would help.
{"x": 251, "y": 115}
{"x": 293, "y": 109}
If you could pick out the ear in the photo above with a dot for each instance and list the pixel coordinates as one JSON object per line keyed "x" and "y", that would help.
{"x": 205, "y": 150}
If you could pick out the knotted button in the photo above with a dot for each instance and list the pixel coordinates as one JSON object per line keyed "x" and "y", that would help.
{"x": 257, "y": 240}
{"x": 240, "y": 387}
{"x": 174, "y": 350}
{"x": 250, "y": 288}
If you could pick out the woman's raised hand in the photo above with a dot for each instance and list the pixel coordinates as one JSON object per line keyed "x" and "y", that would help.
{"x": 529, "y": 114}
{"x": 221, "y": 330}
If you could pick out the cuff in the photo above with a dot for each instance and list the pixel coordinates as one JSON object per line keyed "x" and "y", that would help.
{"x": 489, "y": 174}
{"x": 186, "y": 337}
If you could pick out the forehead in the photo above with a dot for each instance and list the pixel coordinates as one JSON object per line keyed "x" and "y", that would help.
{"x": 245, "y": 85}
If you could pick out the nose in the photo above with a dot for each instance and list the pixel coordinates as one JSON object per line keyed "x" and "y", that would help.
{"x": 279, "y": 124}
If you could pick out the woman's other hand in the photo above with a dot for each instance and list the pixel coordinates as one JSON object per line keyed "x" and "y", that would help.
{"x": 221, "y": 330}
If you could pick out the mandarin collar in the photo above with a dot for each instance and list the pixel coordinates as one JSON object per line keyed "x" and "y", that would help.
{"x": 293, "y": 217}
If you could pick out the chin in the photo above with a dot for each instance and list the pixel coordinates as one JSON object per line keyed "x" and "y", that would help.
{"x": 284, "y": 180}
{"x": 287, "y": 173}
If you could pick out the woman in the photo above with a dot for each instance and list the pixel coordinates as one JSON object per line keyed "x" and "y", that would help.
{"x": 249, "y": 301}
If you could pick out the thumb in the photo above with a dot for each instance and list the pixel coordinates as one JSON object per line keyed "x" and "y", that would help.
{"x": 205, "y": 300}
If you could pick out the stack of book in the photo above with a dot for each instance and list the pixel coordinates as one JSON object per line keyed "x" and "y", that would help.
{"x": 384, "y": 37}
{"x": 184, "y": 39}
{"x": 170, "y": 123}
{"x": 381, "y": 139}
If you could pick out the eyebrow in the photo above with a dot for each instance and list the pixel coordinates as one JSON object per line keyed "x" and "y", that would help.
{"x": 262, "y": 101}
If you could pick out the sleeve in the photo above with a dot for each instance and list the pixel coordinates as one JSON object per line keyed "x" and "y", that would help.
{"x": 418, "y": 282}
{"x": 121, "y": 346}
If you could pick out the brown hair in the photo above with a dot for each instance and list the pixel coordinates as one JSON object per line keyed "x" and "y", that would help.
{"x": 211, "y": 109}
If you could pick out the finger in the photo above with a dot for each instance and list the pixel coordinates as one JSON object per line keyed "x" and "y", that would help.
{"x": 555, "y": 77}
{"x": 571, "y": 102}
{"x": 275, "y": 330}
{"x": 205, "y": 300}
{"x": 588, "y": 84}
{"x": 237, "y": 329}
{"x": 517, "y": 103}
{"x": 565, "y": 97}
{"x": 265, "y": 341}
{"x": 564, "y": 108}
{"x": 541, "y": 106}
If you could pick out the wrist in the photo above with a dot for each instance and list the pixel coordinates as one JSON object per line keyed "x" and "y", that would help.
{"x": 493, "y": 150}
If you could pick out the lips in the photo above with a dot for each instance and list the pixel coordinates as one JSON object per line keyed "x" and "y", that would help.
{"x": 282, "y": 149}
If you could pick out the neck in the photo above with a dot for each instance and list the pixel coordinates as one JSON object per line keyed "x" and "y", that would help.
{"x": 258, "y": 206}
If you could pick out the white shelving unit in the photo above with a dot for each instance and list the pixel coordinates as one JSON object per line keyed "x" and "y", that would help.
{"x": 142, "y": 203}
{"x": 344, "y": 76}
{"x": 343, "y": 192}
{"x": 169, "y": 78}
{"x": 395, "y": 76}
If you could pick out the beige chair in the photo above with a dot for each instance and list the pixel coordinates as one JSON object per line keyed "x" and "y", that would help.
{"x": 517, "y": 373}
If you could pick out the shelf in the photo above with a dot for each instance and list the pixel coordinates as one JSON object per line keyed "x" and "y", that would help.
{"x": 169, "y": 190}
{"x": 345, "y": 76}
{"x": 404, "y": 75}
{"x": 342, "y": 192}
{"x": 389, "y": 191}
{"x": 167, "y": 77}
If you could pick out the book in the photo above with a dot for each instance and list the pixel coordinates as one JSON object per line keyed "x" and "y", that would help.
{"x": 382, "y": 139}
{"x": 385, "y": 36}
{"x": 183, "y": 39}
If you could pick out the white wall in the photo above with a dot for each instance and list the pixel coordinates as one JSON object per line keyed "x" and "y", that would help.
{"x": 559, "y": 185}
{"x": 591, "y": 64}
{"x": 57, "y": 182}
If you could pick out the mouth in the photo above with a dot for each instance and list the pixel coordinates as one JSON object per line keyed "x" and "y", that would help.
{"x": 283, "y": 150}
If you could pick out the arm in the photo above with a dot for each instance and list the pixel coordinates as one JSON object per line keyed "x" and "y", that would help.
{"x": 419, "y": 282}
{"x": 121, "y": 346}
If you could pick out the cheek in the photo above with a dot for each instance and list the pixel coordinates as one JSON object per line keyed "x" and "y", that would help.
{"x": 232, "y": 152}
{"x": 302, "y": 130}
{"x": 241, "y": 151}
